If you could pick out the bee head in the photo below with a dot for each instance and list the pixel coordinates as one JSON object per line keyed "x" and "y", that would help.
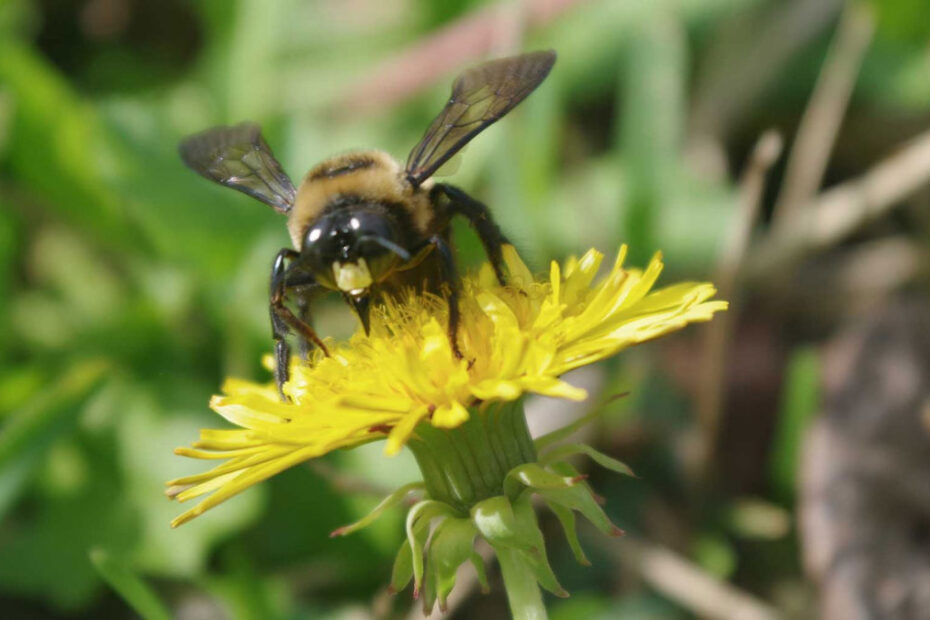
{"x": 350, "y": 249}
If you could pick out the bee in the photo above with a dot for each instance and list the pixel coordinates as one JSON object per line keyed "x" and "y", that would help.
{"x": 361, "y": 224}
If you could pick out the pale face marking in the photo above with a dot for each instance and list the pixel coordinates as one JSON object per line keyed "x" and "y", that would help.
{"x": 352, "y": 278}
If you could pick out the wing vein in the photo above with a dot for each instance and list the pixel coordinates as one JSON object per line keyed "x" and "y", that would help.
{"x": 238, "y": 157}
{"x": 504, "y": 83}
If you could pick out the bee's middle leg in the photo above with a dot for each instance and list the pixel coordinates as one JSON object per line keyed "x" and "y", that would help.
{"x": 450, "y": 276}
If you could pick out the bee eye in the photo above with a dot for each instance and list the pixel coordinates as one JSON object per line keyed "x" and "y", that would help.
{"x": 315, "y": 239}
{"x": 319, "y": 251}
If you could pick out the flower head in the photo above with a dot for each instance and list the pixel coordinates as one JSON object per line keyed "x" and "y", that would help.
{"x": 516, "y": 339}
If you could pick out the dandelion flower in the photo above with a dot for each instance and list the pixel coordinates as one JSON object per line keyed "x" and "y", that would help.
{"x": 404, "y": 384}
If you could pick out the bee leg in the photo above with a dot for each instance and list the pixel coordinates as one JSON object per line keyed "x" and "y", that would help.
{"x": 479, "y": 217}
{"x": 304, "y": 346}
{"x": 450, "y": 276}
{"x": 304, "y": 289}
{"x": 283, "y": 321}
{"x": 279, "y": 328}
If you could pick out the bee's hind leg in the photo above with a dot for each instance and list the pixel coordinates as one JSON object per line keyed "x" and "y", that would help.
{"x": 479, "y": 216}
{"x": 283, "y": 321}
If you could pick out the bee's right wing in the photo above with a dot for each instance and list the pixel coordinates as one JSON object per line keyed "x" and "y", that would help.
{"x": 238, "y": 157}
{"x": 480, "y": 96}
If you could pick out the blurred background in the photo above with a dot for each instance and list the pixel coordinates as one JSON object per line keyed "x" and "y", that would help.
{"x": 780, "y": 148}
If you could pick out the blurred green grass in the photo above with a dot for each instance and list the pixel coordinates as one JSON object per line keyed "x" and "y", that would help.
{"x": 131, "y": 287}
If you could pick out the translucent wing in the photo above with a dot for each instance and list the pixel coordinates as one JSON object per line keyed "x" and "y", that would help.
{"x": 480, "y": 96}
{"x": 239, "y": 158}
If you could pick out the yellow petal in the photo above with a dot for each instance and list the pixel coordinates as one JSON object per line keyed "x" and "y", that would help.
{"x": 450, "y": 415}
{"x": 400, "y": 433}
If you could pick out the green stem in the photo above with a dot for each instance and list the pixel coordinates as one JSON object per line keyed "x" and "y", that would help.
{"x": 523, "y": 593}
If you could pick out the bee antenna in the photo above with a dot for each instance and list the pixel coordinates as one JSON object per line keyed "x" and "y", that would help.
{"x": 387, "y": 244}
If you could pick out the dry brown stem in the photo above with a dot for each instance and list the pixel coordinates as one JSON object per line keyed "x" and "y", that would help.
{"x": 820, "y": 124}
{"x": 747, "y": 57}
{"x": 841, "y": 210}
{"x": 717, "y": 333}
{"x": 687, "y": 584}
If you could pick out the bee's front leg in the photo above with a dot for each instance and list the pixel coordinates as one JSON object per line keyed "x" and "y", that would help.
{"x": 283, "y": 321}
{"x": 305, "y": 289}
{"x": 479, "y": 216}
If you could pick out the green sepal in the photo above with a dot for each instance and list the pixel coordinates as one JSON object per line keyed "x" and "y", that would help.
{"x": 402, "y": 572}
{"x": 513, "y": 526}
{"x": 567, "y": 469}
{"x": 534, "y": 477}
{"x": 579, "y": 497}
{"x": 567, "y": 519}
{"x": 478, "y": 562}
{"x": 451, "y": 546}
{"x": 418, "y": 520}
{"x": 607, "y": 462}
{"x": 388, "y": 502}
{"x": 495, "y": 519}
{"x": 536, "y": 554}
{"x": 427, "y": 593}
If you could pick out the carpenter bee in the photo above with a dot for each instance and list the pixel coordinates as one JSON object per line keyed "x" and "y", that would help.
{"x": 362, "y": 224}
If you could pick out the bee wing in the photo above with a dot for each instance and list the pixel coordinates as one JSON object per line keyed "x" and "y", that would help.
{"x": 480, "y": 96}
{"x": 238, "y": 157}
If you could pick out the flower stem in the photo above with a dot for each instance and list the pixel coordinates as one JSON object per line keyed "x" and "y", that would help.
{"x": 523, "y": 592}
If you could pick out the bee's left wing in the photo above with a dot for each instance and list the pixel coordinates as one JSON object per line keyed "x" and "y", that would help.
{"x": 238, "y": 157}
{"x": 480, "y": 96}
